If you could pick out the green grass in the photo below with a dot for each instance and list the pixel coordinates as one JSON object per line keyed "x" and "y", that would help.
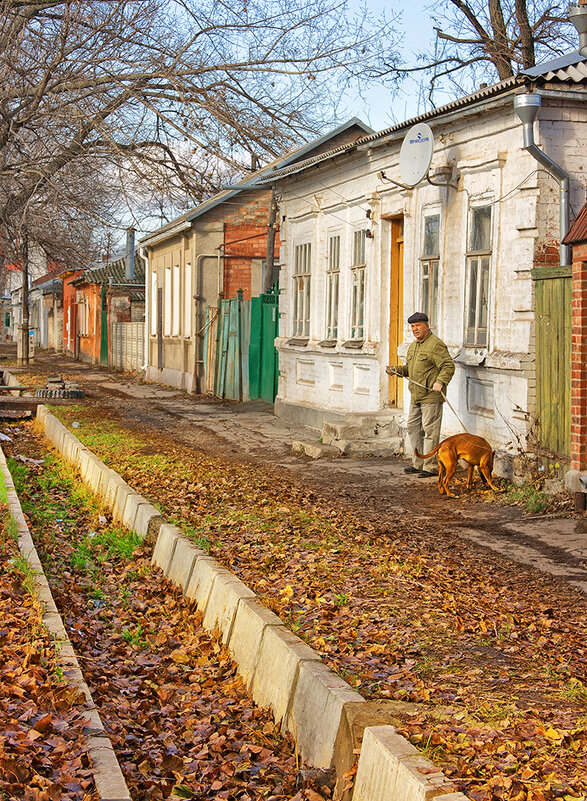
{"x": 528, "y": 496}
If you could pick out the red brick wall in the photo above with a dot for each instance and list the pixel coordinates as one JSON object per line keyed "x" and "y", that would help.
{"x": 244, "y": 241}
{"x": 579, "y": 360}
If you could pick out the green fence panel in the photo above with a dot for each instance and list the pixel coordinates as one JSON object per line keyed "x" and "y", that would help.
{"x": 553, "y": 357}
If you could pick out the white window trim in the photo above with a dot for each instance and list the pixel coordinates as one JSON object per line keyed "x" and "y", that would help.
{"x": 302, "y": 286}
{"x": 358, "y": 296}
{"x": 429, "y": 304}
{"x": 154, "y": 303}
{"x": 187, "y": 284}
{"x": 332, "y": 293}
{"x": 167, "y": 303}
{"x": 478, "y": 256}
{"x": 176, "y": 305}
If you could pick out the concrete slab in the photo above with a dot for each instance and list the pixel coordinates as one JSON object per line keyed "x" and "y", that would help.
{"x": 280, "y": 655}
{"x": 165, "y": 545}
{"x": 204, "y": 574}
{"x": 184, "y": 558}
{"x": 112, "y": 485}
{"x": 315, "y": 450}
{"x": 316, "y": 710}
{"x": 120, "y": 502}
{"x": 148, "y": 516}
{"x": 247, "y": 633}
{"x": 390, "y": 767}
{"x": 223, "y": 601}
{"x": 133, "y": 503}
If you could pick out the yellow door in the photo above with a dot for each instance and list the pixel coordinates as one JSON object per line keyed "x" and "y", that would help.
{"x": 395, "y": 307}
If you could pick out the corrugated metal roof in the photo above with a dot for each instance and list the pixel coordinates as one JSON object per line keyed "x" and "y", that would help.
{"x": 114, "y": 270}
{"x": 578, "y": 230}
{"x": 565, "y": 68}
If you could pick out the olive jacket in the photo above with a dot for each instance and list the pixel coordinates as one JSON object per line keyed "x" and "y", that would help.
{"x": 427, "y": 361}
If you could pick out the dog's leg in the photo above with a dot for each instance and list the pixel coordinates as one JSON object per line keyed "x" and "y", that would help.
{"x": 441, "y": 472}
{"x": 485, "y": 472}
{"x": 450, "y": 471}
{"x": 470, "y": 475}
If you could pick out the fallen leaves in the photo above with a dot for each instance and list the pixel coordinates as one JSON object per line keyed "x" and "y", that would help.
{"x": 43, "y": 750}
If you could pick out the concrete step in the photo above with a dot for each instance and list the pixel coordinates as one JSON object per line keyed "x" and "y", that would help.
{"x": 332, "y": 432}
{"x": 378, "y": 446}
{"x": 314, "y": 449}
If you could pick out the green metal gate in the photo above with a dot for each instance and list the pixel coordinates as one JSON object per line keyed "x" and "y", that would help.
{"x": 263, "y": 370}
{"x": 553, "y": 357}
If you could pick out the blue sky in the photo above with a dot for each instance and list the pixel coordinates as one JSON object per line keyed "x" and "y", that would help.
{"x": 376, "y": 105}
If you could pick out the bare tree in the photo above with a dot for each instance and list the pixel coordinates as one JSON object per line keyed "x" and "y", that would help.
{"x": 99, "y": 100}
{"x": 488, "y": 41}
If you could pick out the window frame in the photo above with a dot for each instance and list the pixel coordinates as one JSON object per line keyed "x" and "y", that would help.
{"x": 478, "y": 274}
{"x": 430, "y": 273}
{"x": 358, "y": 285}
{"x": 167, "y": 302}
{"x": 333, "y": 286}
{"x": 302, "y": 284}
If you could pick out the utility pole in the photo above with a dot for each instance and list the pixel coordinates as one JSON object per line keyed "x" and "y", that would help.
{"x": 270, "y": 258}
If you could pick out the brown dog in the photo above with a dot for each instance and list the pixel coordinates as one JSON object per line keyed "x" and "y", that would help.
{"x": 472, "y": 449}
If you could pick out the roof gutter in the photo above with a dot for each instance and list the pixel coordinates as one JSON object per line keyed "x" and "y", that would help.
{"x": 527, "y": 106}
{"x": 149, "y": 241}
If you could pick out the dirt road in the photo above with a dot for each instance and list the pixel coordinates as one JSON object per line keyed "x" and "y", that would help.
{"x": 375, "y": 487}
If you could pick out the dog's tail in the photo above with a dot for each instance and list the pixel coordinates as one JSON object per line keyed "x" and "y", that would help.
{"x": 426, "y": 455}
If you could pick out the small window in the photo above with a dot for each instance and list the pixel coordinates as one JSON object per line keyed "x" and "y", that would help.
{"x": 187, "y": 323}
{"x": 332, "y": 287}
{"x": 167, "y": 303}
{"x": 153, "y": 303}
{"x": 301, "y": 280}
{"x": 176, "y": 310}
{"x": 358, "y": 285}
{"x": 429, "y": 266}
{"x": 478, "y": 269}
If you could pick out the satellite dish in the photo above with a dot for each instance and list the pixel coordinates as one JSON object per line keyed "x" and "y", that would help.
{"x": 415, "y": 155}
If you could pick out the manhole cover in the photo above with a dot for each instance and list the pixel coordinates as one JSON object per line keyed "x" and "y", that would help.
{"x": 59, "y": 393}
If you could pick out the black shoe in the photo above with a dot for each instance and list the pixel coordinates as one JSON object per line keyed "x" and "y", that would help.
{"x": 411, "y": 470}
{"x": 426, "y": 474}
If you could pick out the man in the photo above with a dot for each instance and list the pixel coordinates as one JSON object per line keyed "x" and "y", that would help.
{"x": 429, "y": 367}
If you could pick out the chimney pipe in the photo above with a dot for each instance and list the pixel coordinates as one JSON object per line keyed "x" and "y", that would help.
{"x": 527, "y": 107}
{"x": 129, "y": 262}
{"x": 578, "y": 16}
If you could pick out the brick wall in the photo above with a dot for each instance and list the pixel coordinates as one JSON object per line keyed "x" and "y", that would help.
{"x": 244, "y": 241}
{"x": 579, "y": 360}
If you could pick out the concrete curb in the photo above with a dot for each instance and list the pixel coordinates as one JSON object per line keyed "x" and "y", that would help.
{"x": 108, "y": 777}
{"x": 280, "y": 670}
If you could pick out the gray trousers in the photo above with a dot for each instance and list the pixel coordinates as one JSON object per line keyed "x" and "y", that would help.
{"x": 424, "y": 421}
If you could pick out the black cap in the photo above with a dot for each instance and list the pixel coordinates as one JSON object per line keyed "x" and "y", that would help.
{"x": 418, "y": 317}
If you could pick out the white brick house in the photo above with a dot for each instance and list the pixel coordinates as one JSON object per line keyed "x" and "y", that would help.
{"x": 360, "y": 254}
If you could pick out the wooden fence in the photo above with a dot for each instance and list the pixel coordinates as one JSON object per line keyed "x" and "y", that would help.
{"x": 127, "y": 346}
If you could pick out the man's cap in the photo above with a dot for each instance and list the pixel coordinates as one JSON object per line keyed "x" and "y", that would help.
{"x": 418, "y": 317}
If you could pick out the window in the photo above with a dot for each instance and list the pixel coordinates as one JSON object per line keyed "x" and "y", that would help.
{"x": 187, "y": 323}
{"x": 478, "y": 263}
{"x": 176, "y": 301}
{"x": 429, "y": 267}
{"x": 154, "y": 303}
{"x": 332, "y": 284}
{"x": 167, "y": 303}
{"x": 358, "y": 285}
{"x": 301, "y": 277}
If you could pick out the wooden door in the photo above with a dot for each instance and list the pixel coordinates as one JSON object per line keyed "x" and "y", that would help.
{"x": 396, "y": 307}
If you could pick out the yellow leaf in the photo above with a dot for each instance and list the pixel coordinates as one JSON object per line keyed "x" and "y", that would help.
{"x": 552, "y": 734}
{"x": 287, "y": 591}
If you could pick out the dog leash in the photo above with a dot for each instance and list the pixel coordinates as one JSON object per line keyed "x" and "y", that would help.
{"x": 443, "y": 395}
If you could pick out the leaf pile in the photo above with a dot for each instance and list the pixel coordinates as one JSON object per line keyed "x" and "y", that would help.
{"x": 43, "y": 754}
{"x": 490, "y": 657}
{"x": 180, "y": 720}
